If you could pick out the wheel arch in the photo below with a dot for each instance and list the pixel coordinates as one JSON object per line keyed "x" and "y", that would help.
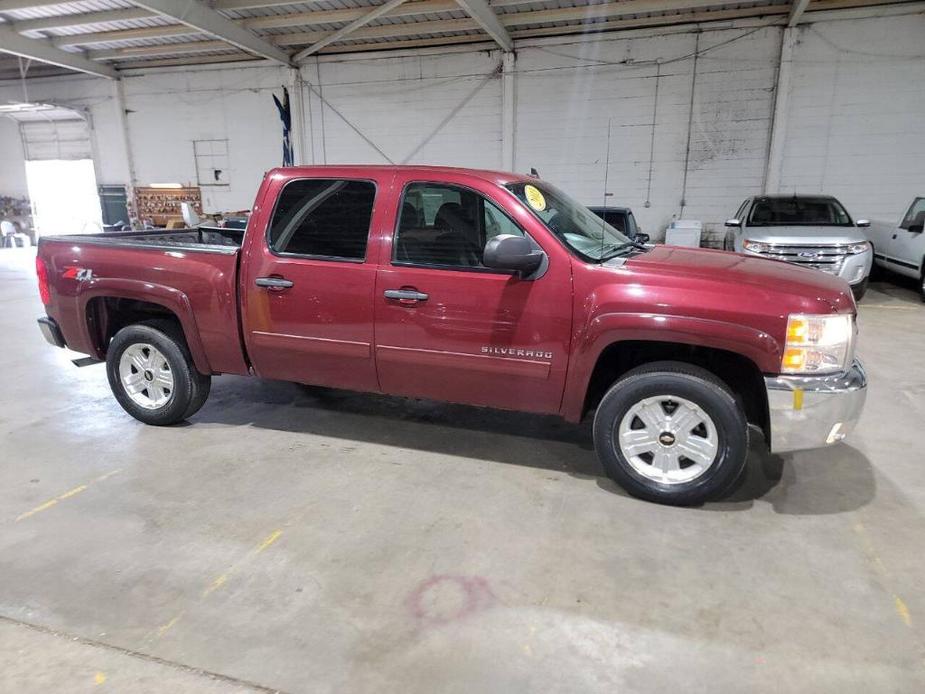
{"x": 109, "y": 305}
{"x": 738, "y": 372}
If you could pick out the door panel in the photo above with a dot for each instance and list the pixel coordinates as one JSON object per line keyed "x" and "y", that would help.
{"x": 480, "y": 336}
{"x": 308, "y": 300}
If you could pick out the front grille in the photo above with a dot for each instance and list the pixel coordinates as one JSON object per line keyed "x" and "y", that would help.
{"x": 826, "y": 258}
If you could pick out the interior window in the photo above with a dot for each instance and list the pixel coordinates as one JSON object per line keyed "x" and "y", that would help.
{"x": 323, "y": 217}
{"x": 447, "y": 226}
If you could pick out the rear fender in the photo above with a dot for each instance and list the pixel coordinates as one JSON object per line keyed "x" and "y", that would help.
{"x": 170, "y": 298}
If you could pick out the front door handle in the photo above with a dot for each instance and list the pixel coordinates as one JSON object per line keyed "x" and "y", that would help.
{"x": 273, "y": 282}
{"x": 405, "y": 295}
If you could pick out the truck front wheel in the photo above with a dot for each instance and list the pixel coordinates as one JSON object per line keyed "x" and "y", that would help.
{"x": 152, "y": 375}
{"x": 672, "y": 433}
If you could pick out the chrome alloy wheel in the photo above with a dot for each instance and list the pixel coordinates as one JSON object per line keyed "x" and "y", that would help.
{"x": 146, "y": 376}
{"x": 668, "y": 439}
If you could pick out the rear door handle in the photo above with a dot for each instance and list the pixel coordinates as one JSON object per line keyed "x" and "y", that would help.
{"x": 405, "y": 295}
{"x": 273, "y": 282}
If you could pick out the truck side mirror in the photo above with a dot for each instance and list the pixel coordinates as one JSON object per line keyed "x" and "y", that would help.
{"x": 733, "y": 222}
{"x": 863, "y": 223}
{"x": 510, "y": 252}
{"x": 641, "y": 238}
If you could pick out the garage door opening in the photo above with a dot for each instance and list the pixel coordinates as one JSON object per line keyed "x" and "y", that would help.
{"x": 64, "y": 196}
{"x": 60, "y": 174}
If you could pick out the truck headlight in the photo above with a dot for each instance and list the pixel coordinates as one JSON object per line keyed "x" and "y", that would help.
{"x": 856, "y": 248}
{"x": 756, "y": 246}
{"x": 818, "y": 344}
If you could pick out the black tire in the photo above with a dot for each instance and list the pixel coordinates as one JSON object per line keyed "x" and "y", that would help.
{"x": 191, "y": 388}
{"x": 701, "y": 388}
{"x": 860, "y": 289}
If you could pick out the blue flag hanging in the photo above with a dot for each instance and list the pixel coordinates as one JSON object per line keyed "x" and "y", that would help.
{"x": 285, "y": 115}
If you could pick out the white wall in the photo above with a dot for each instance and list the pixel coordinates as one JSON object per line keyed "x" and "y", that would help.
{"x": 851, "y": 121}
{"x": 568, "y": 96}
{"x": 12, "y": 167}
{"x": 854, "y": 127}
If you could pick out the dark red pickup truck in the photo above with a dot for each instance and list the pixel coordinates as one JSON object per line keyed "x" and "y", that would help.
{"x": 477, "y": 287}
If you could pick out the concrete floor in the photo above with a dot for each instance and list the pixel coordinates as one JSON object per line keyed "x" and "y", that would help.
{"x": 309, "y": 540}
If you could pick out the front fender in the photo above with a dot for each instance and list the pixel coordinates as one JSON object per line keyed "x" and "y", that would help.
{"x": 170, "y": 298}
{"x": 610, "y": 328}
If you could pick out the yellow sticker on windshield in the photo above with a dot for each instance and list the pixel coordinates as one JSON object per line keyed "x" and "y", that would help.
{"x": 535, "y": 198}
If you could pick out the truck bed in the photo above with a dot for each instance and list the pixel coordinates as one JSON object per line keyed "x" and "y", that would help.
{"x": 190, "y": 272}
{"x": 202, "y": 238}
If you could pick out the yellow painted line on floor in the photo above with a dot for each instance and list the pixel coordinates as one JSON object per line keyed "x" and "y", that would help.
{"x": 902, "y": 610}
{"x": 269, "y": 540}
{"x": 164, "y": 628}
{"x": 884, "y": 576}
{"x": 215, "y": 585}
{"x": 67, "y": 495}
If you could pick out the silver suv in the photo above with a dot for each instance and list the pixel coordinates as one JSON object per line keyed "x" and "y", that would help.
{"x": 814, "y": 231}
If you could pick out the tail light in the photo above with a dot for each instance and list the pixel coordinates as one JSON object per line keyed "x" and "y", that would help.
{"x": 42, "y": 273}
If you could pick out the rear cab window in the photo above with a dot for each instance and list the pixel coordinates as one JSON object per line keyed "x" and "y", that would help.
{"x": 323, "y": 218}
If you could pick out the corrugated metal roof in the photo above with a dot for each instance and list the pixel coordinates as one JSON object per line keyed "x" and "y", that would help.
{"x": 66, "y": 9}
{"x": 439, "y": 20}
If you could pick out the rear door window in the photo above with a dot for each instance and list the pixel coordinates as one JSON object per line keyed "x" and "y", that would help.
{"x": 323, "y": 218}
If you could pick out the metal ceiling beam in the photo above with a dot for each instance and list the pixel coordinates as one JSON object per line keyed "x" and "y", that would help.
{"x": 123, "y": 34}
{"x": 353, "y": 26}
{"x": 42, "y": 51}
{"x": 797, "y": 8}
{"x": 159, "y": 50}
{"x": 488, "y": 20}
{"x": 76, "y": 20}
{"x": 193, "y": 13}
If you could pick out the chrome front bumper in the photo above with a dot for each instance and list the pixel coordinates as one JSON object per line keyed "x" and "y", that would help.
{"x": 814, "y": 411}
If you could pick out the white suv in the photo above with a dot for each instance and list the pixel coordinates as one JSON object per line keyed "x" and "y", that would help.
{"x": 814, "y": 231}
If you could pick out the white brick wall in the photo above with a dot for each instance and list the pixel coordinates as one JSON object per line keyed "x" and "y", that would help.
{"x": 567, "y": 95}
{"x": 852, "y": 124}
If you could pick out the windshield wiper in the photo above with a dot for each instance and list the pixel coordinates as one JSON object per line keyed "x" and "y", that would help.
{"x": 616, "y": 249}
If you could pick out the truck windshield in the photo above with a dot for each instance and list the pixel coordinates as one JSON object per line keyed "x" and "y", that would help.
{"x": 798, "y": 211}
{"x": 574, "y": 224}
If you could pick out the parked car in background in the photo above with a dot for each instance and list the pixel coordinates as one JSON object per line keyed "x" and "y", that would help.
{"x": 477, "y": 287}
{"x": 901, "y": 247}
{"x": 813, "y": 231}
{"x": 621, "y": 219}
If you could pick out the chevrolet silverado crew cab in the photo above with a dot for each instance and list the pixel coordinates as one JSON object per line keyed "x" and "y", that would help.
{"x": 814, "y": 231}
{"x": 477, "y": 287}
{"x": 901, "y": 247}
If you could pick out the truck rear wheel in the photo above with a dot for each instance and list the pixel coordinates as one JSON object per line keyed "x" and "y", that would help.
{"x": 152, "y": 375}
{"x": 672, "y": 433}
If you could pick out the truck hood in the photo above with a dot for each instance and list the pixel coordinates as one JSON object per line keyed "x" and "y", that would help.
{"x": 748, "y": 279}
{"x": 804, "y": 235}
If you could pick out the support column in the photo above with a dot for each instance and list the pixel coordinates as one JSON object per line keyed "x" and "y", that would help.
{"x": 780, "y": 116}
{"x": 297, "y": 106}
{"x": 508, "y": 110}
{"x": 118, "y": 92}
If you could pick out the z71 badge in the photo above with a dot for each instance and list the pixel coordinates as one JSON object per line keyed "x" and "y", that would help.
{"x": 81, "y": 274}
